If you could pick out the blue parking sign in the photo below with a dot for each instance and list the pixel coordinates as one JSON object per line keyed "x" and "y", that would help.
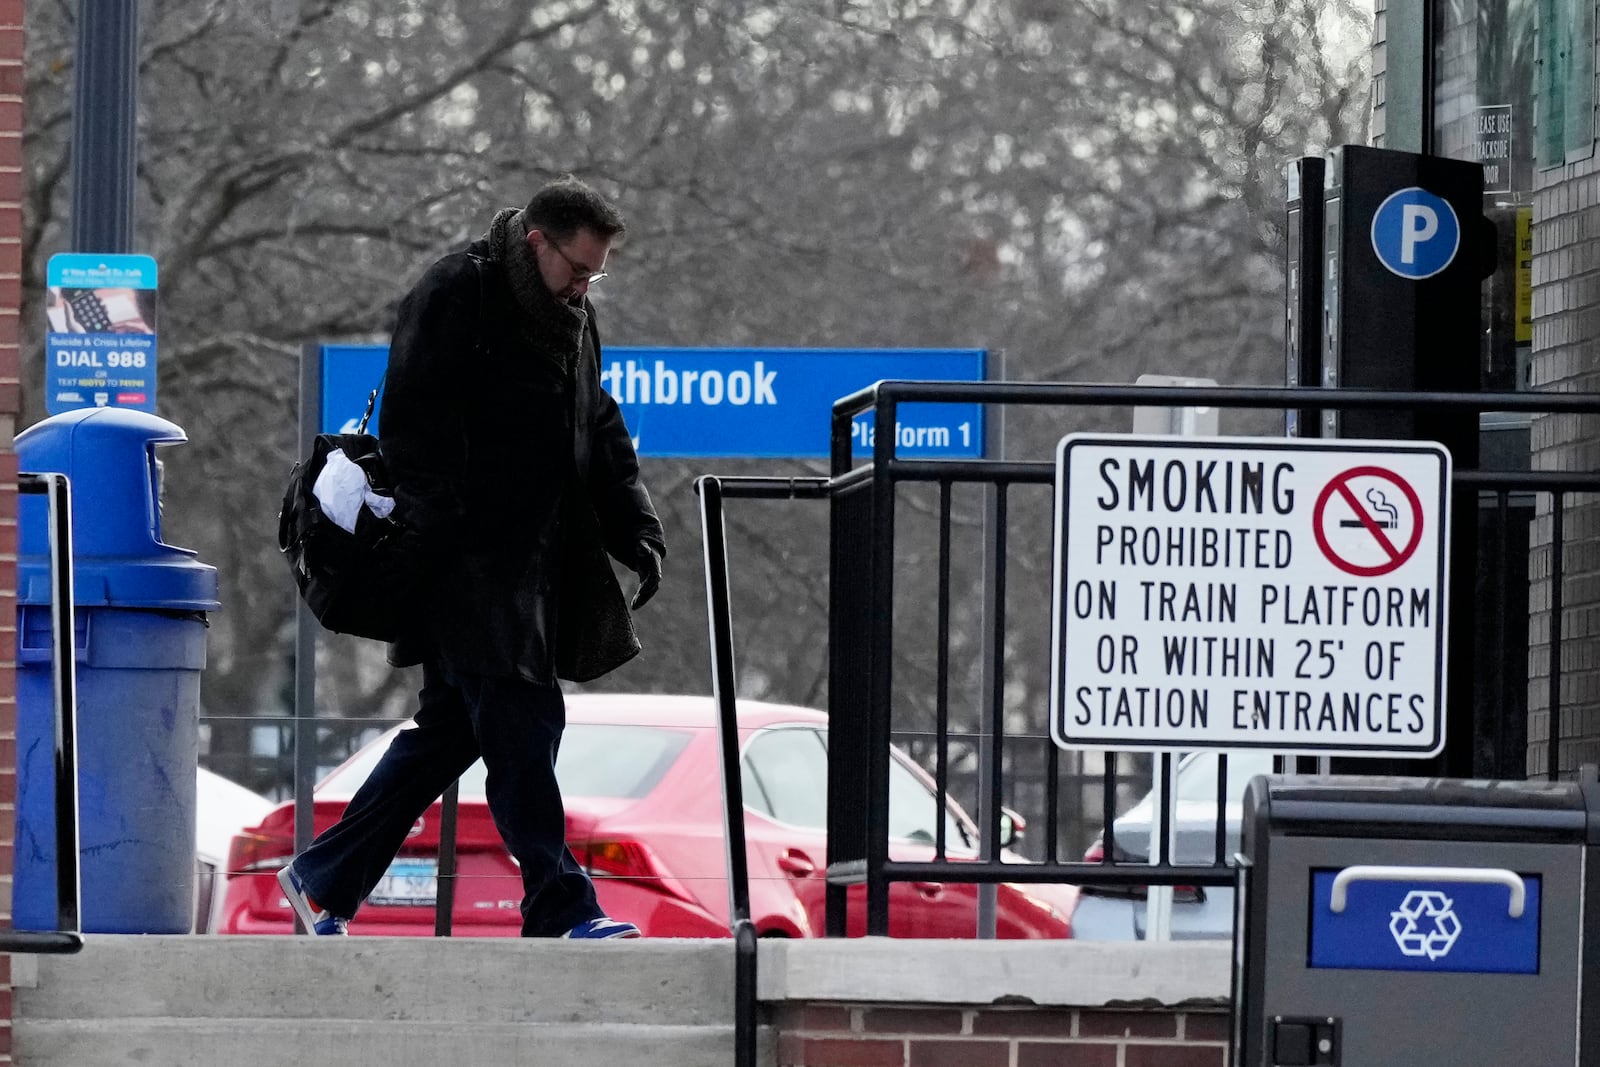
{"x": 1415, "y": 233}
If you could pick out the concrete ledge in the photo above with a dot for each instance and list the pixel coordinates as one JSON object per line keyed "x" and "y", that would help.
{"x": 1055, "y": 973}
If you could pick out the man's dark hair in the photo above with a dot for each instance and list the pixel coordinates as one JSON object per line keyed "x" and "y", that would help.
{"x": 566, "y": 205}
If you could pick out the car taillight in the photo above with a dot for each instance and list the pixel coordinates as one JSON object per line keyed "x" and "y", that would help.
{"x": 1096, "y": 853}
{"x": 258, "y": 852}
{"x": 627, "y": 861}
{"x": 619, "y": 859}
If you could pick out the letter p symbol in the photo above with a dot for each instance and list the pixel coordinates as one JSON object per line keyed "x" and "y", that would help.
{"x": 1418, "y": 222}
{"x": 1415, "y": 233}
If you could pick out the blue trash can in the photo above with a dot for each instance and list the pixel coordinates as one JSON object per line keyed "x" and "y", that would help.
{"x": 141, "y": 639}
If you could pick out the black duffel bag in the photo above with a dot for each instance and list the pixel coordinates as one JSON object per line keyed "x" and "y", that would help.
{"x": 357, "y": 582}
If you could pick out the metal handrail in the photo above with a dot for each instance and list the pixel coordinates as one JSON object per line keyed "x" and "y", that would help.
{"x": 1224, "y": 396}
{"x": 723, "y": 690}
{"x": 68, "y": 936}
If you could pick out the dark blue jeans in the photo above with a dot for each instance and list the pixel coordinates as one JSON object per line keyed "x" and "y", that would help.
{"x": 516, "y": 727}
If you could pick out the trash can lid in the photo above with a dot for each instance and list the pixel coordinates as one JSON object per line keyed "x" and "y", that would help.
{"x": 1425, "y": 808}
{"x": 108, "y": 456}
{"x": 171, "y": 583}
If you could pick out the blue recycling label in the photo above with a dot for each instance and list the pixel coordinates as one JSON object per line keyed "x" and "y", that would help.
{"x": 1441, "y": 926}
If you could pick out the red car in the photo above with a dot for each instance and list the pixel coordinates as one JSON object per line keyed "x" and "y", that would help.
{"x": 641, "y": 778}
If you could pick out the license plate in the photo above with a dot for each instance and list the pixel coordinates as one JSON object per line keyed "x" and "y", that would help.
{"x": 408, "y": 883}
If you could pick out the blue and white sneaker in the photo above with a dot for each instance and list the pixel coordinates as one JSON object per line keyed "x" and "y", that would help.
{"x": 317, "y": 920}
{"x": 602, "y": 929}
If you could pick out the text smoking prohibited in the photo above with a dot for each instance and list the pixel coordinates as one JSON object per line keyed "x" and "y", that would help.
{"x": 1250, "y": 593}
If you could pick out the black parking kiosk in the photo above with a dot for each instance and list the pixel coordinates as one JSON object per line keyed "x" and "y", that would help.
{"x": 1392, "y": 922}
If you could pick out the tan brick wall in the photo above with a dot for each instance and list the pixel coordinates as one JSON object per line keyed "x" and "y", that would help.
{"x": 872, "y": 1035}
{"x": 1566, "y": 358}
{"x": 10, "y": 301}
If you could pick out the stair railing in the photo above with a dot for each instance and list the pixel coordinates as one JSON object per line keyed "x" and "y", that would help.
{"x": 68, "y": 935}
{"x": 723, "y": 687}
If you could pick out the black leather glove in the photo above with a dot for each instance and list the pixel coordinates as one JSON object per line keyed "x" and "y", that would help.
{"x": 647, "y": 565}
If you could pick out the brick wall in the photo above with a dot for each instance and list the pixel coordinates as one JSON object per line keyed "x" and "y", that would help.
{"x": 10, "y": 300}
{"x": 1566, "y": 358}
{"x": 877, "y": 1035}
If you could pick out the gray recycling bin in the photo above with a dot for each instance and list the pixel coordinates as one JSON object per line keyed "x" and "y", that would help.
{"x": 140, "y": 627}
{"x": 1396, "y": 922}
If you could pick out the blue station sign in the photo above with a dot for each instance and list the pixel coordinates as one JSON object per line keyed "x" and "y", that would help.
{"x": 100, "y": 337}
{"x": 734, "y": 402}
{"x": 349, "y": 375}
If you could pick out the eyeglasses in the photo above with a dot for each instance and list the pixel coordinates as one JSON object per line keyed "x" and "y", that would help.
{"x": 578, "y": 269}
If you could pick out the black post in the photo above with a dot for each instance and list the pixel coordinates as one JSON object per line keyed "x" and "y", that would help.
{"x": 1302, "y": 336}
{"x": 104, "y": 125}
{"x": 880, "y": 653}
{"x": 1403, "y": 314}
{"x": 444, "y": 893}
{"x": 305, "y": 639}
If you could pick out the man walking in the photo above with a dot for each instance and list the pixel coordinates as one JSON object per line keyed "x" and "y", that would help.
{"x": 516, "y": 478}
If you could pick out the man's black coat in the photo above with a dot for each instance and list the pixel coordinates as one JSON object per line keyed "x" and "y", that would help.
{"x": 514, "y": 471}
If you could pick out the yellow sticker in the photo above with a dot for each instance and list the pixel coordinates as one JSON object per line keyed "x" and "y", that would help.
{"x": 1525, "y": 275}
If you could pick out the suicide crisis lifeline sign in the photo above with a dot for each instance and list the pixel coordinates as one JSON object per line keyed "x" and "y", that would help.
{"x": 1245, "y": 593}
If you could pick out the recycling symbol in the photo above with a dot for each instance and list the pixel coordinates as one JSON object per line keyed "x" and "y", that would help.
{"x": 1424, "y": 924}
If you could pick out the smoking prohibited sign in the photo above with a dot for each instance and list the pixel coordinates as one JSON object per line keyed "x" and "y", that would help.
{"x": 1365, "y": 494}
{"x": 1250, "y": 593}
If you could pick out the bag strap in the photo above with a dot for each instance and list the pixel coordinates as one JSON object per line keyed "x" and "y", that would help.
{"x": 372, "y": 403}
{"x": 478, "y": 265}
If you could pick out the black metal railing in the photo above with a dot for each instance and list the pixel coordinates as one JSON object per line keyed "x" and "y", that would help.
{"x": 68, "y": 935}
{"x": 862, "y": 502}
{"x": 864, "y": 543}
{"x": 723, "y": 688}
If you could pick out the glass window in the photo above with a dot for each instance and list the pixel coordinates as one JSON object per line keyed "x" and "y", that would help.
{"x": 613, "y": 761}
{"x": 1502, "y": 85}
{"x": 1566, "y": 84}
{"x": 786, "y": 777}
{"x": 1197, "y": 777}
{"x": 596, "y": 761}
{"x": 789, "y": 769}
{"x": 914, "y": 811}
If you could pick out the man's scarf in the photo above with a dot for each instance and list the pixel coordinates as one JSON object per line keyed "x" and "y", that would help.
{"x": 552, "y": 327}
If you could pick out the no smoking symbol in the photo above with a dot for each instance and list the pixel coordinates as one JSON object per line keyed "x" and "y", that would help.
{"x": 1368, "y": 521}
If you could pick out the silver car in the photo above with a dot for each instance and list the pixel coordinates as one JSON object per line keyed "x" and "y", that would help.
{"x": 1121, "y": 913}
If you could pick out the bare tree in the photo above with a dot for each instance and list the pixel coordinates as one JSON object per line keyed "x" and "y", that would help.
{"x": 1089, "y": 185}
